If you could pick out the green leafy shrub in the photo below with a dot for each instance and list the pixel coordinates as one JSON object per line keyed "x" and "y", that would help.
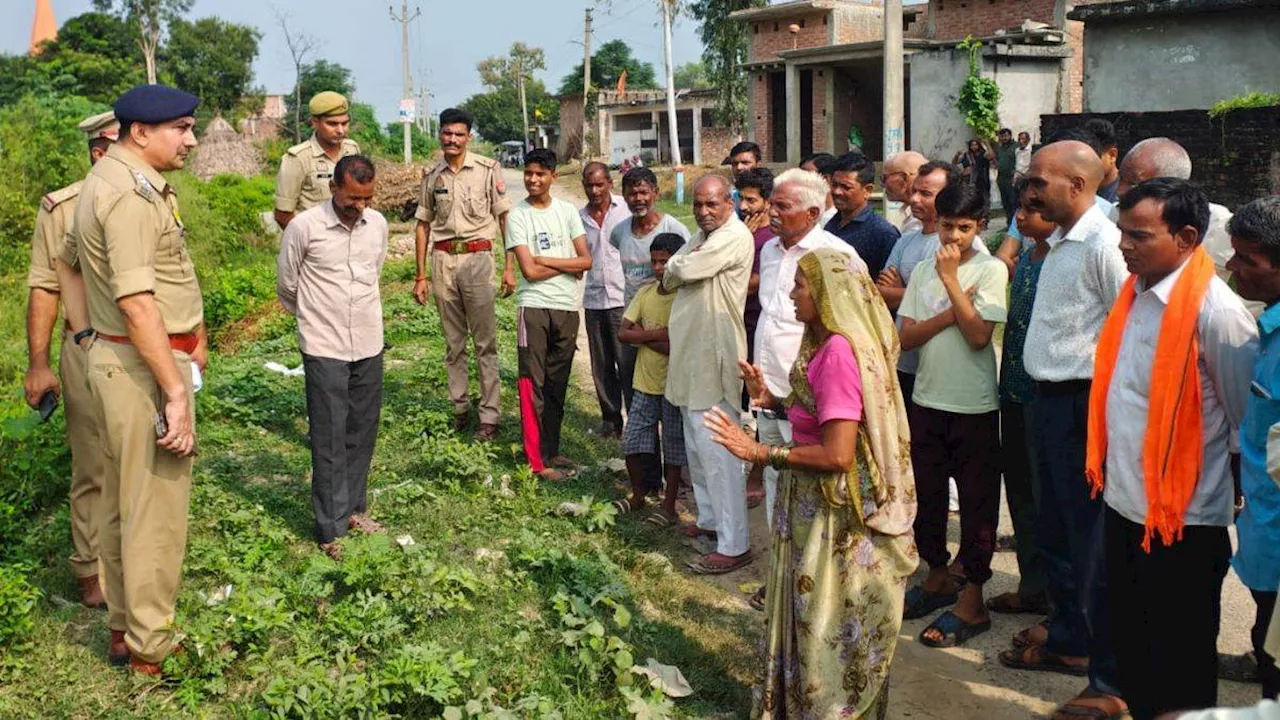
{"x": 979, "y": 97}
{"x": 239, "y": 201}
{"x": 18, "y": 600}
{"x": 1244, "y": 101}
{"x": 232, "y": 293}
{"x": 17, "y": 221}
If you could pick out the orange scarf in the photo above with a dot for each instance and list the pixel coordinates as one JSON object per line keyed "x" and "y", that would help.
{"x": 1173, "y": 447}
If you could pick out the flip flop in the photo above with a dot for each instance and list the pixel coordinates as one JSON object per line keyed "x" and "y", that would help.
{"x": 660, "y": 518}
{"x": 955, "y": 632}
{"x": 700, "y": 565}
{"x": 625, "y": 506}
{"x": 1094, "y": 705}
{"x": 1238, "y": 668}
{"x": 1022, "y": 638}
{"x": 1037, "y": 659}
{"x": 1011, "y": 603}
{"x": 921, "y": 602}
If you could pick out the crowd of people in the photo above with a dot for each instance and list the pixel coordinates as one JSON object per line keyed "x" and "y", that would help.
{"x": 795, "y": 349}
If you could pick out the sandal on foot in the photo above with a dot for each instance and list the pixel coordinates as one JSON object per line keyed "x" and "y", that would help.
{"x": 1036, "y": 659}
{"x": 625, "y": 505}
{"x": 921, "y": 602}
{"x": 553, "y": 475}
{"x": 1022, "y": 639}
{"x": 1011, "y": 603}
{"x": 1093, "y": 705}
{"x": 661, "y": 518}
{"x": 1238, "y": 668}
{"x": 955, "y": 632}
{"x": 709, "y": 565}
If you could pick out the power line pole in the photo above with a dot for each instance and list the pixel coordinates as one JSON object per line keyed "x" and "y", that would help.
{"x": 893, "y": 94}
{"x": 672, "y": 131}
{"x": 586, "y": 81}
{"x": 524, "y": 104}
{"x": 404, "y": 19}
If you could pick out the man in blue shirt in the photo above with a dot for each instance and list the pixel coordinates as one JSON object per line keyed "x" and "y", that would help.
{"x": 1255, "y": 267}
{"x": 852, "y": 182}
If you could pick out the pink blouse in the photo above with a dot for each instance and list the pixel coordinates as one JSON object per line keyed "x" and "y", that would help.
{"x": 837, "y": 388}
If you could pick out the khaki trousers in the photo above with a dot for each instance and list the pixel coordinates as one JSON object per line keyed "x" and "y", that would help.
{"x": 143, "y": 519}
{"x": 87, "y": 463}
{"x": 463, "y": 289}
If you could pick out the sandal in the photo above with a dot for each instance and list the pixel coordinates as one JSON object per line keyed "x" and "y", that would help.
{"x": 1011, "y": 603}
{"x": 660, "y": 518}
{"x": 1036, "y": 659}
{"x": 1092, "y": 704}
{"x": 921, "y": 602}
{"x": 955, "y": 632}
{"x": 553, "y": 475}
{"x": 703, "y": 566}
{"x": 625, "y": 506}
{"x": 757, "y": 600}
{"x": 1022, "y": 639}
{"x": 1238, "y": 668}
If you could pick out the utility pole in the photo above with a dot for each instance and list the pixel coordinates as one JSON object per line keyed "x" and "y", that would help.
{"x": 893, "y": 95}
{"x": 586, "y": 82}
{"x": 673, "y": 132}
{"x": 524, "y": 104}
{"x": 404, "y": 19}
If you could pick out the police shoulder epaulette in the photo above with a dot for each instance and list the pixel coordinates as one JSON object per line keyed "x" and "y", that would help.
{"x": 142, "y": 185}
{"x": 355, "y": 146}
{"x": 486, "y": 162}
{"x": 297, "y": 148}
{"x": 57, "y": 197}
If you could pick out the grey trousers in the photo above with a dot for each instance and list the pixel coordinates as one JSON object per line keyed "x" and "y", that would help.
{"x": 344, "y": 403}
{"x": 606, "y": 362}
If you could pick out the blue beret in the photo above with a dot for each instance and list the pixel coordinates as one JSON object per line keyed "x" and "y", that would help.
{"x": 151, "y": 104}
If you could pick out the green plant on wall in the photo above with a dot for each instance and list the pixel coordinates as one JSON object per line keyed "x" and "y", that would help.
{"x": 1241, "y": 102}
{"x": 979, "y": 98}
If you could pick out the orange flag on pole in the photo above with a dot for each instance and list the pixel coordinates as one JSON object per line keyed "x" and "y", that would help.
{"x": 622, "y": 82}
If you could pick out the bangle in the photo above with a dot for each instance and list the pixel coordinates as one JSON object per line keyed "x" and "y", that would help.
{"x": 420, "y": 278}
{"x": 778, "y": 457}
{"x": 761, "y": 455}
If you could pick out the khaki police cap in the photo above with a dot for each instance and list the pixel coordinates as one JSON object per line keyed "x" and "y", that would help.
{"x": 328, "y": 103}
{"x": 101, "y": 126}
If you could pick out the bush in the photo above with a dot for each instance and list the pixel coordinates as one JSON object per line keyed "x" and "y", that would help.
{"x": 232, "y": 293}
{"x": 17, "y": 604}
{"x": 240, "y": 201}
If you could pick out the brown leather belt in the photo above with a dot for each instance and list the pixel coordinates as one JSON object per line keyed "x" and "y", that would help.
{"x": 462, "y": 247}
{"x": 185, "y": 342}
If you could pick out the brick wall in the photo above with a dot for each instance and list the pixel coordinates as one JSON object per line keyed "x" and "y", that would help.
{"x": 954, "y": 19}
{"x": 760, "y": 113}
{"x": 818, "y": 112}
{"x": 716, "y": 143}
{"x": 1075, "y": 67}
{"x": 770, "y": 36}
{"x": 1236, "y": 159}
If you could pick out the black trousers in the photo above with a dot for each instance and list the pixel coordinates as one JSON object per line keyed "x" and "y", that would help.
{"x": 1165, "y": 608}
{"x": 1022, "y": 489}
{"x": 606, "y": 363}
{"x": 1268, "y": 674}
{"x": 965, "y": 447}
{"x": 546, "y": 341}
{"x": 344, "y": 404}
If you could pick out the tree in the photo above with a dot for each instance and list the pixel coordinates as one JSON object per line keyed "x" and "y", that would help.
{"x": 725, "y": 42}
{"x": 92, "y": 56}
{"x": 497, "y": 112}
{"x": 316, "y": 77}
{"x": 516, "y": 68}
{"x": 212, "y": 59}
{"x": 607, "y": 65}
{"x": 150, "y": 18}
{"x": 300, "y": 47}
{"x": 691, "y": 75}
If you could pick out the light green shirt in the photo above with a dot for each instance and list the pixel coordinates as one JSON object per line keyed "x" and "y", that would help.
{"x": 547, "y": 232}
{"x": 954, "y": 377}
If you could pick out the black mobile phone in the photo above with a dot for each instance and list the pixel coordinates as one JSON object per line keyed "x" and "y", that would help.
{"x": 48, "y": 403}
{"x": 162, "y": 427}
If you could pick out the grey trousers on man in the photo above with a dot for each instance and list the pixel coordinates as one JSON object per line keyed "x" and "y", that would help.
{"x": 344, "y": 404}
{"x": 606, "y": 363}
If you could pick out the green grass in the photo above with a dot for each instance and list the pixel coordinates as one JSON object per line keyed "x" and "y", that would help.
{"x": 468, "y": 613}
{"x": 682, "y": 212}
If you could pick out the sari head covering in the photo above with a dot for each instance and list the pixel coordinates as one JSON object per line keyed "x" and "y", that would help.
{"x": 880, "y": 484}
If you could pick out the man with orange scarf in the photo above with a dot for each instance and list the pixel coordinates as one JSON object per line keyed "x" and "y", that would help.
{"x": 1171, "y": 382}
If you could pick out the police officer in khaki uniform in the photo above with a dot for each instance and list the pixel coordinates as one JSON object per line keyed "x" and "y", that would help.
{"x": 53, "y": 222}
{"x": 144, "y": 302}
{"x": 461, "y": 211}
{"x": 307, "y": 168}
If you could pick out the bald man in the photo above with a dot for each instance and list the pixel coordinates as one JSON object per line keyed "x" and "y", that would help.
{"x": 898, "y": 175}
{"x": 1079, "y": 281}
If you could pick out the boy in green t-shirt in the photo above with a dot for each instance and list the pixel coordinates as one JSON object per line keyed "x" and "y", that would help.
{"x": 645, "y": 325}
{"x": 550, "y": 245}
{"x": 951, "y": 306}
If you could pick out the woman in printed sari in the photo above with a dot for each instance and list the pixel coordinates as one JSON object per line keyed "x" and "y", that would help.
{"x": 842, "y": 543}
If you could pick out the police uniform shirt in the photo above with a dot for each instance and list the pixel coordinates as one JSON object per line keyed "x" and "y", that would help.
{"x": 131, "y": 240}
{"x": 53, "y": 222}
{"x": 464, "y": 205}
{"x": 305, "y": 172}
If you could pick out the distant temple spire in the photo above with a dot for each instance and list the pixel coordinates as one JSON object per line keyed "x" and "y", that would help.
{"x": 45, "y": 27}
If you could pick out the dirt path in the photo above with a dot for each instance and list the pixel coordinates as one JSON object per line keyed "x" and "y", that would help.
{"x": 966, "y": 682}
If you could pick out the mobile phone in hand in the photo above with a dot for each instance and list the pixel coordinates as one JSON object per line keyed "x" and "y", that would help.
{"x": 162, "y": 427}
{"x": 48, "y": 403}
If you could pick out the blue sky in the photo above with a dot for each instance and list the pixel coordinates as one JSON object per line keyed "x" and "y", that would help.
{"x": 361, "y": 35}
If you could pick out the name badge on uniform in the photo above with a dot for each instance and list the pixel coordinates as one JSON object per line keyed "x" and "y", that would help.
{"x": 440, "y": 188}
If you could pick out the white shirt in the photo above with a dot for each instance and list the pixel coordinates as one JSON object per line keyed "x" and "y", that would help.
{"x": 778, "y": 333}
{"x": 604, "y": 286}
{"x": 1228, "y": 340}
{"x": 1079, "y": 282}
{"x": 1022, "y": 161}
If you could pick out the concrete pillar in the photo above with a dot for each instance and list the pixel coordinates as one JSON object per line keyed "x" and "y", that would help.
{"x": 829, "y": 107}
{"x": 697, "y": 137}
{"x": 657, "y": 133}
{"x": 753, "y": 87}
{"x": 793, "y": 114}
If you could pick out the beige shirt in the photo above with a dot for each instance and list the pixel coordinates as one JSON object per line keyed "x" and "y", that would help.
{"x": 708, "y": 336}
{"x": 327, "y": 276}
{"x": 305, "y": 172}
{"x": 131, "y": 240}
{"x": 464, "y": 205}
{"x": 53, "y": 221}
